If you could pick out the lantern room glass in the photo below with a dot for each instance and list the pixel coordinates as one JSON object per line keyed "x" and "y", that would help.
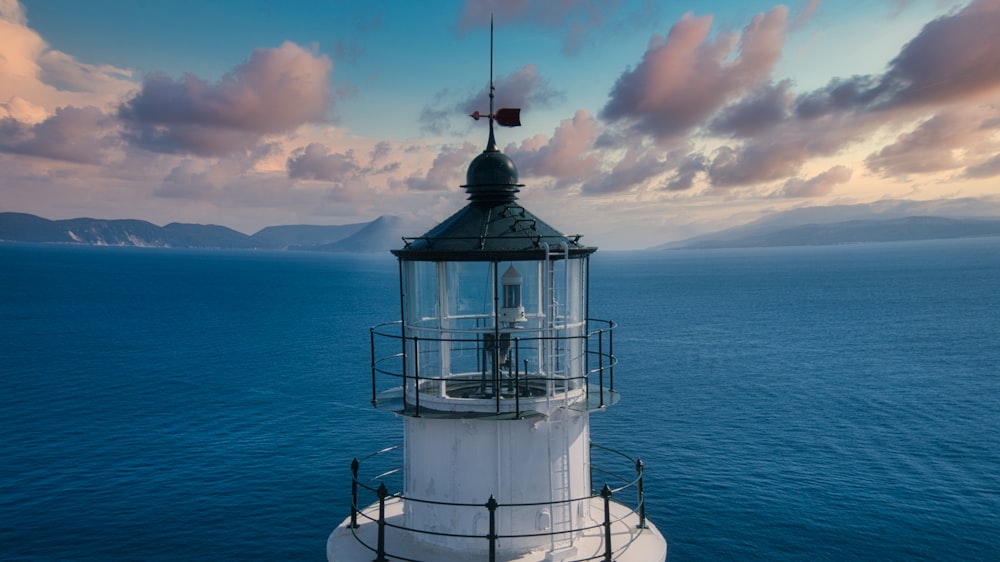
{"x": 461, "y": 341}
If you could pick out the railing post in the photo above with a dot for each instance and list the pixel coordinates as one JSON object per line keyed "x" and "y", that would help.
{"x": 600, "y": 364}
{"x": 406, "y": 398}
{"x": 517, "y": 378}
{"x": 642, "y": 495}
{"x": 371, "y": 332}
{"x": 380, "y": 552}
{"x": 416, "y": 373}
{"x": 491, "y": 505}
{"x": 354, "y": 493}
{"x": 611, "y": 356}
{"x": 482, "y": 362}
{"x": 606, "y": 494}
{"x": 496, "y": 368}
{"x": 586, "y": 358}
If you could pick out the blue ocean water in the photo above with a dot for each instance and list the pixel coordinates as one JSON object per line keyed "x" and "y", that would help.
{"x": 832, "y": 403}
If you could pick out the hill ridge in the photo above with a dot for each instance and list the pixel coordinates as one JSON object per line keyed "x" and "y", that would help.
{"x": 373, "y": 236}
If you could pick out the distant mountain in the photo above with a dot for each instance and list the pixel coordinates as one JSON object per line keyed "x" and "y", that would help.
{"x": 21, "y": 227}
{"x": 382, "y": 233}
{"x": 180, "y": 235}
{"x": 884, "y": 221}
{"x": 379, "y": 235}
{"x": 304, "y": 235}
{"x": 858, "y": 231}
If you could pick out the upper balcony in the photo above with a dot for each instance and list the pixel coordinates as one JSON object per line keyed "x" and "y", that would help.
{"x": 476, "y": 370}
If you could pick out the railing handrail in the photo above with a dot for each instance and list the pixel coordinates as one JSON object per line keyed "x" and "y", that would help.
{"x": 611, "y": 325}
{"x": 575, "y": 367}
{"x": 492, "y": 505}
{"x": 627, "y": 483}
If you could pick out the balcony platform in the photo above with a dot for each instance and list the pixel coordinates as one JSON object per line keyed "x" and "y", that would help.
{"x": 629, "y": 542}
{"x": 464, "y": 399}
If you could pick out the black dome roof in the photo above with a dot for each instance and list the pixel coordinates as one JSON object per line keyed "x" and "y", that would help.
{"x": 491, "y": 168}
{"x": 492, "y": 176}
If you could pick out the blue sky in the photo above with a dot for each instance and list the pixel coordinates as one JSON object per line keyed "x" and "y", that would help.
{"x": 643, "y": 121}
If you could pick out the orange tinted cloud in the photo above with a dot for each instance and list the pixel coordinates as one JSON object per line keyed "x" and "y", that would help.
{"x": 686, "y": 77}
{"x": 274, "y": 91}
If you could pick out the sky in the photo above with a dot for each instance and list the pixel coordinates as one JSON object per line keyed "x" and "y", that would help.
{"x": 643, "y": 121}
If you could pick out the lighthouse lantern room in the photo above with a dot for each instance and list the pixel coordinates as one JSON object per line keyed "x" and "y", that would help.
{"x": 494, "y": 367}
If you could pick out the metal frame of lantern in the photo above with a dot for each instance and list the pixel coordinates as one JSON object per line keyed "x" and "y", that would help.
{"x": 451, "y": 358}
{"x": 510, "y": 391}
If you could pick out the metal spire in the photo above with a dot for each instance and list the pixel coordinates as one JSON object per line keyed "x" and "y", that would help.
{"x": 505, "y": 117}
{"x": 492, "y": 144}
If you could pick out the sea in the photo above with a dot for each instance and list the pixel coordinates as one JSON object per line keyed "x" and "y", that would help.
{"x": 806, "y": 403}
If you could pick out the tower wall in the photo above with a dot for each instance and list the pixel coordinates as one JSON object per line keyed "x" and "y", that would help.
{"x": 543, "y": 461}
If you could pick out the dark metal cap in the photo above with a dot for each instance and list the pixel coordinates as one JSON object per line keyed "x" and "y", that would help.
{"x": 492, "y": 176}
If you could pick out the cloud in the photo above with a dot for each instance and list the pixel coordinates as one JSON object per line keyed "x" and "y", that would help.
{"x": 987, "y": 169}
{"x": 816, "y": 186}
{"x": 274, "y": 91}
{"x": 755, "y": 113}
{"x": 781, "y": 151}
{"x": 635, "y": 168}
{"x": 197, "y": 178}
{"x": 317, "y": 162}
{"x": 71, "y": 134}
{"x": 437, "y": 117}
{"x": 525, "y": 89}
{"x": 694, "y": 87}
{"x": 20, "y": 109}
{"x": 446, "y": 171}
{"x": 12, "y": 11}
{"x": 579, "y": 17}
{"x": 930, "y": 147}
{"x": 66, "y": 73}
{"x": 805, "y": 15}
{"x": 754, "y": 163}
{"x": 189, "y": 180}
{"x": 46, "y": 78}
{"x": 567, "y": 156}
{"x": 685, "y": 173}
{"x": 953, "y": 58}
{"x": 687, "y": 76}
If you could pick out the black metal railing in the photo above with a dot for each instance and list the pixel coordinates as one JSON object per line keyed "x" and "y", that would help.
{"x": 382, "y": 549}
{"x": 492, "y": 365}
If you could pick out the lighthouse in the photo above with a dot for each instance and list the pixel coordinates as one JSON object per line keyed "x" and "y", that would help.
{"x": 494, "y": 368}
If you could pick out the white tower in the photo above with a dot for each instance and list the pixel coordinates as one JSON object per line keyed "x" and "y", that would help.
{"x": 495, "y": 368}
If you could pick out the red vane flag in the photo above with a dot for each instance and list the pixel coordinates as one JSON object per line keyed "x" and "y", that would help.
{"x": 506, "y": 117}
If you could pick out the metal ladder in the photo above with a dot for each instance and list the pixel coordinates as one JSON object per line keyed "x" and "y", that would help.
{"x": 560, "y": 481}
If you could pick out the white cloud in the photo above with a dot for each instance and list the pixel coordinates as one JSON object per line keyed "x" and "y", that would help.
{"x": 46, "y": 78}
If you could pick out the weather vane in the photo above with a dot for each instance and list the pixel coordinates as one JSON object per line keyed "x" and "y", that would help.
{"x": 505, "y": 117}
